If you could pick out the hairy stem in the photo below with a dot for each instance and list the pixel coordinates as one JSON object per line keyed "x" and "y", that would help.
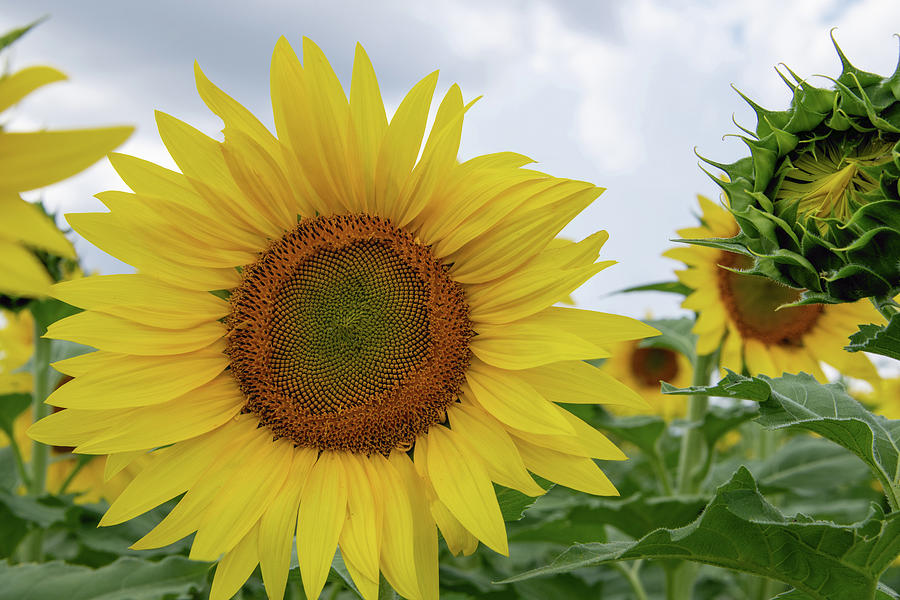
{"x": 692, "y": 443}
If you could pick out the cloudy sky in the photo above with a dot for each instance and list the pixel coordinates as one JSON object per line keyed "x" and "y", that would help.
{"x": 616, "y": 93}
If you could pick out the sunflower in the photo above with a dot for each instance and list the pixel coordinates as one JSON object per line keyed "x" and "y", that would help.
{"x": 743, "y": 311}
{"x": 33, "y": 160}
{"x": 333, "y": 335}
{"x": 642, "y": 369}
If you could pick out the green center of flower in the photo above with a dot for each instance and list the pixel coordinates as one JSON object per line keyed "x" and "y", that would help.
{"x": 753, "y": 305}
{"x": 348, "y": 325}
{"x": 649, "y": 366}
{"x": 347, "y": 334}
{"x": 829, "y": 182}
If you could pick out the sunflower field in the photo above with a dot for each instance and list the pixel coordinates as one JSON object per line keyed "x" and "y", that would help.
{"x": 343, "y": 362}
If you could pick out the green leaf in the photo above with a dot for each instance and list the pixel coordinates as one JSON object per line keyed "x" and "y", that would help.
{"x": 513, "y": 503}
{"x": 670, "y": 287}
{"x": 11, "y": 406}
{"x": 40, "y": 512}
{"x": 10, "y": 37}
{"x": 740, "y": 530}
{"x": 800, "y": 402}
{"x": 808, "y": 465}
{"x": 878, "y": 339}
{"x": 641, "y": 430}
{"x": 676, "y": 336}
{"x": 126, "y": 579}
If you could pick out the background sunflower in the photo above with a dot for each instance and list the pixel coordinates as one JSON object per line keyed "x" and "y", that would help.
{"x": 739, "y": 312}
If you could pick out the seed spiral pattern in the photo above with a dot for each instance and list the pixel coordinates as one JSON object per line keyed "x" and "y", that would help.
{"x": 347, "y": 334}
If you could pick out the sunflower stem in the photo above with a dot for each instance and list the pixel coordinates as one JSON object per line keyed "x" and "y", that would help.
{"x": 81, "y": 460}
{"x": 39, "y": 452}
{"x": 20, "y": 463}
{"x": 692, "y": 443}
{"x": 631, "y": 574}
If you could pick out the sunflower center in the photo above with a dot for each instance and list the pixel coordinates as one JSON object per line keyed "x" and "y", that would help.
{"x": 347, "y": 334}
{"x": 652, "y": 365}
{"x": 827, "y": 183}
{"x": 752, "y": 303}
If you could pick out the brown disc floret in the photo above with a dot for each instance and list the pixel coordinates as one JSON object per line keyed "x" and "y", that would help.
{"x": 752, "y": 303}
{"x": 649, "y": 366}
{"x": 347, "y": 334}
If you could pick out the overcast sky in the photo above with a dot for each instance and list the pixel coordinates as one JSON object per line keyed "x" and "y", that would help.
{"x": 616, "y": 93}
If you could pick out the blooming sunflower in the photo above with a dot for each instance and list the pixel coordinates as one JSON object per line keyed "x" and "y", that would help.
{"x": 29, "y": 161}
{"x": 742, "y": 310}
{"x": 642, "y": 369}
{"x": 333, "y": 335}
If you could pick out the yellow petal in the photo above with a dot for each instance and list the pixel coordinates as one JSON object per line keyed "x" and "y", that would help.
{"x": 244, "y": 498}
{"x": 368, "y": 588}
{"x": 105, "y": 231}
{"x": 597, "y": 327}
{"x": 574, "y": 472}
{"x": 118, "y": 461}
{"x": 586, "y": 441}
{"x": 462, "y": 484}
{"x": 424, "y": 546}
{"x": 200, "y": 158}
{"x": 522, "y": 294}
{"x": 512, "y": 401}
{"x": 33, "y": 160}
{"x": 23, "y": 273}
{"x": 143, "y": 299}
{"x": 262, "y": 180}
{"x": 577, "y": 382}
{"x": 494, "y": 446}
{"x": 121, "y": 380}
{"x": 528, "y": 343}
{"x": 438, "y": 158}
{"x": 192, "y": 511}
{"x": 359, "y": 537}
{"x": 26, "y": 223}
{"x": 171, "y": 471}
{"x": 279, "y": 522}
{"x": 401, "y": 145}
{"x": 397, "y": 557}
{"x": 515, "y": 240}
{"x": 106, "y": 332}
{"x": 16, "y": 86}
{"x": 193, "y": 414}
{"x": 368, "y": 122}
{"x": 323, "y": 507}
{"x": 236, "y": 567}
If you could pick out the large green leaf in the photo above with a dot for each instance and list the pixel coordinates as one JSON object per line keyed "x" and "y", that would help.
{"x": 800, "y": 402}
{"x": 811, "y": 466}
{"x": 884, "y": 340}
{"x": 740, "y": 530}
{"x": 126, "y": 579}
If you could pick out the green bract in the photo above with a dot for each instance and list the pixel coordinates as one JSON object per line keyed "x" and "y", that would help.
{"x": 817, "y": 199}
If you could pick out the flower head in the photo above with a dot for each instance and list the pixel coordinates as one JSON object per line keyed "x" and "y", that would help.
{"x": 329, "y": 321}
{"x": 817, "y": 197}
{"x": 747, "y": 315}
